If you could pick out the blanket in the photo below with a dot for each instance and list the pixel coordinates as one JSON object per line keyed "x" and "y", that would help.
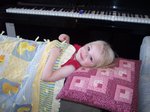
{"x": 21, "y": 64}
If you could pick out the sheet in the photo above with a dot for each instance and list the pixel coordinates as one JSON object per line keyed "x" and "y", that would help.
{"x": 21, "y": 65}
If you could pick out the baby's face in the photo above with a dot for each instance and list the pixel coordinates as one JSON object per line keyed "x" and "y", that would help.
{"x": 90, "y": 54}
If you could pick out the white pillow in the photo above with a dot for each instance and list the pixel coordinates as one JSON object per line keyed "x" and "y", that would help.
{"x": 144, "y": 83}
{"x": 145, "y": 56}
{"x": 144, "y": 93}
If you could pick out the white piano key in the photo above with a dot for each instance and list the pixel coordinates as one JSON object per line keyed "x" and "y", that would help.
{"x": 87, "y": 14}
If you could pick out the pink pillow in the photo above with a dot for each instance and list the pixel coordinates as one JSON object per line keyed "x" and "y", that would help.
{"x": 114, "y": 89}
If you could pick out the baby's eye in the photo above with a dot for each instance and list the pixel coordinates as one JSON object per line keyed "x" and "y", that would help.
{"x": 91, "y": 58}
{"x": 88, "y": 48}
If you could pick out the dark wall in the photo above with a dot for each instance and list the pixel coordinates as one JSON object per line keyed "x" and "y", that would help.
{"x": 6, "y": 2}
{"x": 124, "y": 42}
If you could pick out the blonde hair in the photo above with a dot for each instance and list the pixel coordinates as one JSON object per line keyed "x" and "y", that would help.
{"x": 108, "y": 54}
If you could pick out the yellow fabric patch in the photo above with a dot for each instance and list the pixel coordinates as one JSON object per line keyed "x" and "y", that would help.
{"x": 23, "y": 46}
{"x": 23, "y": 109}
{"x": 2, "y": 58}
{"x": 7, "y": 88}
{"x": 15, "y": 69}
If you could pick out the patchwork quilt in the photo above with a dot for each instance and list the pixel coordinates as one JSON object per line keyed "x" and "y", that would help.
{"x": 21, "y": 65}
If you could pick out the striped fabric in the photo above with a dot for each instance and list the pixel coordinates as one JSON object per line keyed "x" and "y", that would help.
{"x": 49, "y": 90}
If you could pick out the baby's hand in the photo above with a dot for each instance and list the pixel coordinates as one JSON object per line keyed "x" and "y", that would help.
{"x": 64, "y": 37}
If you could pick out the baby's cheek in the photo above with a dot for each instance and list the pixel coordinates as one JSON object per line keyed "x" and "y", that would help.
{"x": 88, "y": 63}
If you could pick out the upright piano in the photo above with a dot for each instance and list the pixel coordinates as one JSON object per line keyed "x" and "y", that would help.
{"x": 123, "y": 23}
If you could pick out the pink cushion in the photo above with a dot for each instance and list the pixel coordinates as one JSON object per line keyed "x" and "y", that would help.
{"x": 114, "y": 89}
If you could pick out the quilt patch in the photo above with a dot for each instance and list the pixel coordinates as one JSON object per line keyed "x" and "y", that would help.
{"x": 113, "y": 88}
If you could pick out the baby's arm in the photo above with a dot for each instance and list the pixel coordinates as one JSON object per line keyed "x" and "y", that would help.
{"x": 49, "y": 74}
{"x": 61, "y": 73}
{"x": 48, "y": 69}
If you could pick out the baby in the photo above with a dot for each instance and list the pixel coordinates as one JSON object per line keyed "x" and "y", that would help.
{"x": 94, "y": 54}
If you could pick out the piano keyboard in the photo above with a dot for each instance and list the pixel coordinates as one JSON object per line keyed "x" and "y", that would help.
{"x": 98, "y": 15}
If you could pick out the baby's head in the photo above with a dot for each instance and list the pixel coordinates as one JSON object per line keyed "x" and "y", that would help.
{"x": 95, "y": 54}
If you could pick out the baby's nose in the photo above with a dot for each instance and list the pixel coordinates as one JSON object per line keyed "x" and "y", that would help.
{"x": 85, "y": 55}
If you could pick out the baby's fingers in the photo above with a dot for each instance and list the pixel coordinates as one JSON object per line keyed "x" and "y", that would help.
{"x": 64, "y": 37}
